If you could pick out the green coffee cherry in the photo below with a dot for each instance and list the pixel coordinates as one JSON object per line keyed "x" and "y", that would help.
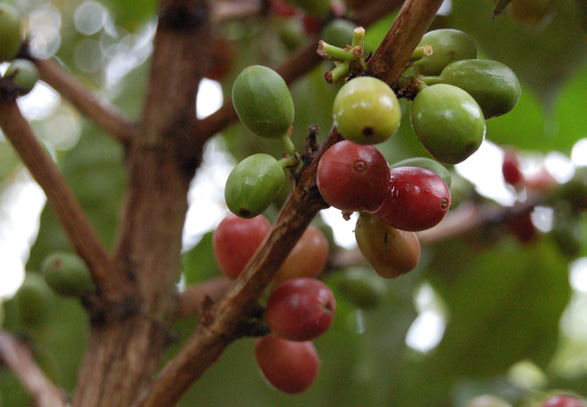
{"x": 253, "y": 184}
{"x": 10, "y": 29}
{"x": 448, "y": 45}
{"x": 366, "y": 111}
{"x": 25, "y": 75}
{"x": 67, "y": 274}
{"x": 338, "y": 32}
{"x": 448, "y": 122}
{"x": 427, "y": 163}
{"x": 361, "y": 287}
{"x": 263, "y": 102}
{"x": 34, "y": 299}
{"x": 493, "y": 85}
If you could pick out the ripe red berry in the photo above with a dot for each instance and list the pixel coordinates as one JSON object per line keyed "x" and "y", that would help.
{"x": 353, "y": 177}
{"x": 417, "y": 200}
{"x": 301, "y": 309}
{"x": 510, "y": 168}
{"x": 291, "y": 367}
{"x": 235, "y": 240}
{"x": 307, "y": 258}
{"x": 563, "y": 400}
{"x": 521, "y": 226}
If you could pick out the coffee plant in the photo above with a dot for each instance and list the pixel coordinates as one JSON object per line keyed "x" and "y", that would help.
{"x": 142, "y": 288}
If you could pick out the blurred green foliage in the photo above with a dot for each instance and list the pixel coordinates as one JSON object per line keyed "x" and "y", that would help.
{"x": 503, "y": 299}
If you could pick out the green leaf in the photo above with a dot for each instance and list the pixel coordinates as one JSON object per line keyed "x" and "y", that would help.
{"x": 199, "y": 263}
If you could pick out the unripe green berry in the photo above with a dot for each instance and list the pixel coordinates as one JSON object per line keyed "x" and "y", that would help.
{"x": 25, "y": 75}
{"x": 448, "y": 122}
{"x": 263, "y": 102}
{"x": 361, "y": 287}
{"x": 339, "y": 32}
{"x": 253, "y": 184}
{"x": 366, "y": 111}
{"x": 448, "y": 45}
{"x": 493, "y": 85}
{"x": 10, "y": 33}
{"x": 34, "y": 299}
{"x": 67, "y": 274}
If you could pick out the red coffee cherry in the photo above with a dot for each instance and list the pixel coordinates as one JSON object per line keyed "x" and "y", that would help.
{"x": 510, "y": 168}
{"x": 291, "y": 367}
{"x": 563, "y": 400}
{"x": 353, "y": 177}
{"x": 301, "y": 309}
{"x": 417, "y": 200}
{"x": 307, "y": 258}
{"x": 235, "y": 240}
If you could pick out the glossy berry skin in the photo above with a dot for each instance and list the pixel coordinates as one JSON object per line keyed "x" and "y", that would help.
{"x": 417, "y": 199}
{"x": 291, "y": 367}
{"x": 353, "y": 177}
{"x": 448, "y": 45}
{"x": 366, "y": 111}
{"x": 307, "y": 258}
{"x": 510, "y": 168}
{"x": 427, "y": 163}
{"x": 493, "y": 85}
{"x": 263, "y": 102}
{"x": 300, "y": 309}
{"x": 253, "y": 184}
{"x": 563, "y": 400}
{"x": 235, "y": 240}
{"x": 24, "y": 74}
{"x": 448, "y": 122}
{"x": 10, "y": 30}
{"x": 67, "y": 274}
{"x": 390, "y": 251}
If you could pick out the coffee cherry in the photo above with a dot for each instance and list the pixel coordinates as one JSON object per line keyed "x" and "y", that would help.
{"x": 221, "y": 59}
{"x": 521, "y": 226}
{"x": 307, "y": 258}
{"x": 427, "y": 163}
{"x": 339, "y": 32}
{"x": 24, "y": 74}
{"x": 390, "y": 251}
{"x": 301, "y": 309}
{"x": 291, "y": 367}
{"x": 353, "y": 177}
{"x": 290, "y": 32}
{"x": 366, "y": 111}
{"x": 253, "y": 184}
{"x": 448, "y": 45}
{"x": 448, "y": 122}
{"x": 263, "y": 102}
{"x": 563, "y": 400}
{"x": 34, "y": 300}
{"x": 10, "y": 33}
{"x": 67, "y": 274}
{"x": 360, "y": 287}
{"x": 417, "y": 200}
{"x": 236, "y": 240}
{"x": 493, "y": 85}
{"x": 510, "y": 168}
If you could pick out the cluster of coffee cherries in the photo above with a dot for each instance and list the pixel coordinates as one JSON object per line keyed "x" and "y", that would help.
{"x": 21, "y": 75}
{"x": 299, "y": 307}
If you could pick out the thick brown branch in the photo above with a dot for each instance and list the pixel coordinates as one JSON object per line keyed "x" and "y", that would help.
{"x": 79, "y": 96}
{"x": 391, "y": 58}
{"x": 17, "y": 357}
{"x": 110, "y": 284}
{"x": 297, "y": 65}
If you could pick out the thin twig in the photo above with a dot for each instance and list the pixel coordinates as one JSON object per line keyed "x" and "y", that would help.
{"x": 77, "y": 226}
{"x": 18, "y": 357}
{"x": 104, "y": 114}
